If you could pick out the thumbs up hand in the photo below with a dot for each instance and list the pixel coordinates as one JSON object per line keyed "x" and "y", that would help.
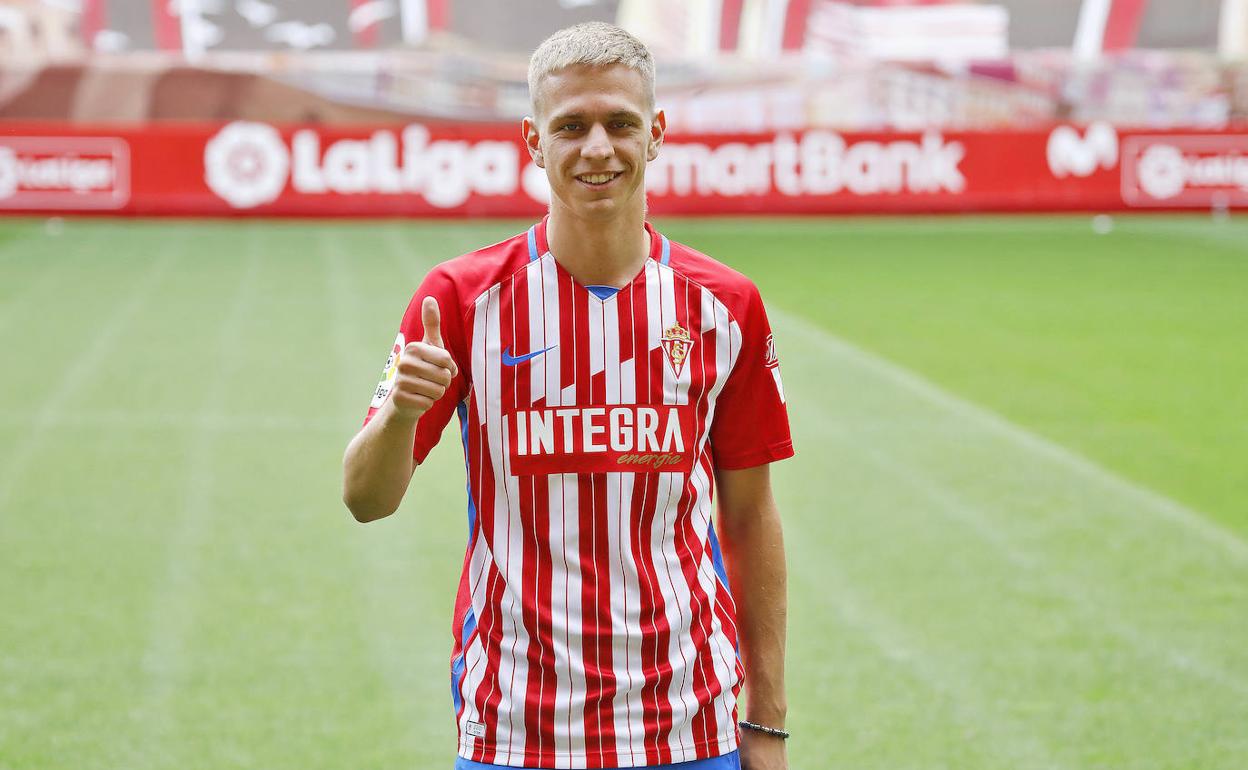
{"x": 425, "y": 368}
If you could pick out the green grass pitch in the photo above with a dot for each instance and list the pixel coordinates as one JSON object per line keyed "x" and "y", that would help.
{"x": 1017, "y": 522}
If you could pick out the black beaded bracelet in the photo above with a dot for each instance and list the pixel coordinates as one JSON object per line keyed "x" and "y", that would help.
{"x": 764, "y": 729}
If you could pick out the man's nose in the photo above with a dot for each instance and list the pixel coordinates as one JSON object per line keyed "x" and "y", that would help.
{"x": 597, "y": 143}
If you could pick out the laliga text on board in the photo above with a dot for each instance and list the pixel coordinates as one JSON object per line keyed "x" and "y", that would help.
{"x": 64, "y": 173}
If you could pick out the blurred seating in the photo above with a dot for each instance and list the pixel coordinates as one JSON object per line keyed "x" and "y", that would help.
{"x": 725, "y": 66}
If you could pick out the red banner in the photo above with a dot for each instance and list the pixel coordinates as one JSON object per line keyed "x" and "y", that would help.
{"x": 417, "y": 170}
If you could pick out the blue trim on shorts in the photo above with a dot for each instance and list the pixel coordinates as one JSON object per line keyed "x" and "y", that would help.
{"x": 722, "y": 762}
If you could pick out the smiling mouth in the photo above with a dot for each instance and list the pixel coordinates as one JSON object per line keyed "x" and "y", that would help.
{"x": 598, "y": 180}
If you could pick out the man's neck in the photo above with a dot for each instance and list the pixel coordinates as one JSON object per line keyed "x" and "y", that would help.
{"x": 598, "y": 253}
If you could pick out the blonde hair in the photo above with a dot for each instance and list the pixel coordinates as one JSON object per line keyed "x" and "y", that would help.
{"x": 595, "y": 44}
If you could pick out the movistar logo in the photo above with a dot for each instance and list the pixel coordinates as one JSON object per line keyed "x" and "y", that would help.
{"x": 510, "y": 360}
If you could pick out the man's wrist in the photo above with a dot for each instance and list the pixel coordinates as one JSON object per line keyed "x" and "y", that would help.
{"x": 392, "y": 418}
{"x": 770, "y": 714}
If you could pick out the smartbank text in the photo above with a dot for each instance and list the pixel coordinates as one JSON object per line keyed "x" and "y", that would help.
{"x": 820, "y": 163}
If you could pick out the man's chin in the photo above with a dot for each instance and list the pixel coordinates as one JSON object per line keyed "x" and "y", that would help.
{"x": 602, "y": 208}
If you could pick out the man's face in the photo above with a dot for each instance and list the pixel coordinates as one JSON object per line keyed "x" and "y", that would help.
{"x": 594, "y": 134}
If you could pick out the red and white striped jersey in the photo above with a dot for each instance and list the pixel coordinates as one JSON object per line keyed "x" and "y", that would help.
{"x": 593, "y": 625}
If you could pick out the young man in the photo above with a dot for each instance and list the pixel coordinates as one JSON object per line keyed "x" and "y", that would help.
{"x": 606, "y": 381}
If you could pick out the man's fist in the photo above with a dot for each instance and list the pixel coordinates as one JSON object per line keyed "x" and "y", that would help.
{"x": 425, "y": 368}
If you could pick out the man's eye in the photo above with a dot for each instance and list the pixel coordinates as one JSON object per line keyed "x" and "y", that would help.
{"x": 570, "y": 127}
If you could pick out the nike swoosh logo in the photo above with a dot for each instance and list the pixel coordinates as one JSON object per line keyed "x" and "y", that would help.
{"x": 510, "y": 360}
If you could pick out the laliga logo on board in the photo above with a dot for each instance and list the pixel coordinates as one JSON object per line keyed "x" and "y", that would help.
{"x": 1161, "y": 171}
{"x": 1071, "y": 154}
{"x": 246, "y": 164}
{"x": 1191, "y": 169}
{"x": 249, "y": 164}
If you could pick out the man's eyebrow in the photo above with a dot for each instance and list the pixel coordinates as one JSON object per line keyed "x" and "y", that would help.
{"x": 630, "y": 114}
{"x": 567, "y": 116}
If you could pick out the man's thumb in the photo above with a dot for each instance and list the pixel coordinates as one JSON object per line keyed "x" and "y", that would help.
{"x": 432, "y": 320}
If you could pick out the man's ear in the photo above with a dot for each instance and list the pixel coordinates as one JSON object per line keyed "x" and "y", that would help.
{"x": 532, "y": 140}
{"x": 658, "y": 126}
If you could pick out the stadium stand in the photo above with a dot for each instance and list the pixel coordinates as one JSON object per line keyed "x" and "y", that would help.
{"x": 863, "y": 65}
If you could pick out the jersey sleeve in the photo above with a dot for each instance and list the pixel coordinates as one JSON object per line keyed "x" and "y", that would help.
{"x": 437, "y": 284}
{"x": 751, "y": 424}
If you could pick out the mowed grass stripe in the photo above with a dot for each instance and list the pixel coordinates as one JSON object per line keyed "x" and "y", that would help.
{"x": 278, "y": 678}
{"x": 173, "y": 616}
{"x": 1022, "y": 640}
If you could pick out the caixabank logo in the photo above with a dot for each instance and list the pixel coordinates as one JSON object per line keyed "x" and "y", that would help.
{"x": 78, "y": 173}
{"x": 251, "y": 164}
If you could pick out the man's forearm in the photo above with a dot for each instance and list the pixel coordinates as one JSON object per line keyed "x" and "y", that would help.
{"x": 377, "y": 466}
{"x": 754, "y": 554}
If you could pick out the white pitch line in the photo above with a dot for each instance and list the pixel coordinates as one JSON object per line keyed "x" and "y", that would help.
{"x": 1150, "y": 501}
{"x": 954, "y": 506}
{"x": 76, "y": 376}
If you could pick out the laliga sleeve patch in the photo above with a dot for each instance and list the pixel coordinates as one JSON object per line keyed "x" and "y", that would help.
{"x": 389, "y": 373}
